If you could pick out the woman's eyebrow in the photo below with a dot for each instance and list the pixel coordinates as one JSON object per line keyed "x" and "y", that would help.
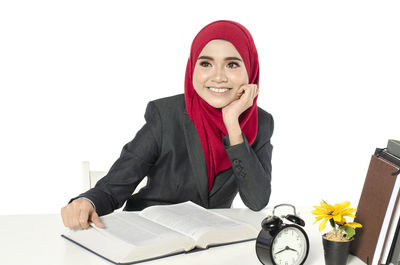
{"x": 212, "y": 59}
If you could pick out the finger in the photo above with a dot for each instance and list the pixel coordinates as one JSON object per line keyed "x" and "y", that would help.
{"x": 247, "y": 87}
{"x": 68, "y": 216}
{"x": 75, "y": 214}
{"x": 64, "y": 217}
{"x": 96, "y": 220}
{"x": 84, "y": 218}
{"x": 239, "y": 95}
{"x": 250, "y": 92}
{"x": 250, "y": 87}
{"x": 240, "y": 91}
{"x": 255, "y": 91}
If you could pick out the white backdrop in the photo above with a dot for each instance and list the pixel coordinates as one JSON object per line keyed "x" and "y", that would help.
{"x": 75, "y": 78}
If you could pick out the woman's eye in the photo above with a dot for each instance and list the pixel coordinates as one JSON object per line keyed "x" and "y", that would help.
{"x": 233, "y": 65}
{"x": 205, "y": 64}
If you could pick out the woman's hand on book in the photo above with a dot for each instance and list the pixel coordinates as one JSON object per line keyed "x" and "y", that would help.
{"x": 78, "y": 215}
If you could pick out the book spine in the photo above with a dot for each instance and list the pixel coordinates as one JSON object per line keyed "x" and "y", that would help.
{"x": 395, "y": 245}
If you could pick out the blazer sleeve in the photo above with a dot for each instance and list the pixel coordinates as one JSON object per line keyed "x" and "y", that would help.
{"x": 136, "y": 159}
{"x": 252, "y": 167}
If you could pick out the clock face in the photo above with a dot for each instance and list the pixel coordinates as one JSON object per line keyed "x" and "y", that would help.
{"x": 290, "y": 246}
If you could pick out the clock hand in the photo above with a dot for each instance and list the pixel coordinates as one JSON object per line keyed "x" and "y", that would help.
{"x": 289, "y": 248}
{"x": 280, "y": 251}
{"x": 286, "y": 248}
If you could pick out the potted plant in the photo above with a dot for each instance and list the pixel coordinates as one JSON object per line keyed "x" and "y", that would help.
{"x": 336, "y": 242}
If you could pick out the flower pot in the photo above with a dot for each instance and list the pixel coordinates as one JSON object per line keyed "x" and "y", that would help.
{"x": 336, "y": 252}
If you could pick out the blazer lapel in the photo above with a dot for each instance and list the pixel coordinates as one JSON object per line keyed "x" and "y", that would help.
{"x": 196, "y": 156}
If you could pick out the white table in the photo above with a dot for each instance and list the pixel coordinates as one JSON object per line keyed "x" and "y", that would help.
{"x": 36, "y": 239}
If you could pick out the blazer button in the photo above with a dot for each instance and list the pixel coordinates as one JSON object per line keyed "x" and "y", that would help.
{"x": 238, "y": 168}
{"x": 236, "y": 162}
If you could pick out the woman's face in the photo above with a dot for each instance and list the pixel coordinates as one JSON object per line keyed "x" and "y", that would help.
{"x": 218, "y": 74}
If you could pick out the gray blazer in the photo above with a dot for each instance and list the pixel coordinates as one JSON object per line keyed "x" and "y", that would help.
{"x": 168, "y": 151}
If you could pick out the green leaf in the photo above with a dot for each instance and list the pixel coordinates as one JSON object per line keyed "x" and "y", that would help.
{"x": 350, "y": 231}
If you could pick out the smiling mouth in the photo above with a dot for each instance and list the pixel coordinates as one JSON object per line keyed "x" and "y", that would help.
{"x": 218, "y": 89}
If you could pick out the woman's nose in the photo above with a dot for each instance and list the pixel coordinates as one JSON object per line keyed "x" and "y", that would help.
{"x": 219, "y": 75}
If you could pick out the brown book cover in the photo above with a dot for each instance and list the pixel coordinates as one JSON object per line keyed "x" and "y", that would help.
{"x": 372, "y": 207}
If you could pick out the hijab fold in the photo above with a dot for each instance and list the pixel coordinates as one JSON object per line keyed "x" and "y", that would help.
{"x": 207, "y": 119}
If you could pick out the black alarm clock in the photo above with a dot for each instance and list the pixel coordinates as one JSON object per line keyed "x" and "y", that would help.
{"x": 279, "y": 243}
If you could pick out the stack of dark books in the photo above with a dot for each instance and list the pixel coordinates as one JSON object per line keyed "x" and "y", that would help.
{"x": 378, "y": 242}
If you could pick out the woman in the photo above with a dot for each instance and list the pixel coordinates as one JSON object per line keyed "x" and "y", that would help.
{"x": 204, "y": 145}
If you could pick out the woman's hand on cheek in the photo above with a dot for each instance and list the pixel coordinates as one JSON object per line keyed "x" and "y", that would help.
{"x": 245, "y": 98}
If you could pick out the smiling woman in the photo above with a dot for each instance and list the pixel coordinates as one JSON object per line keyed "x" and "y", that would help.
{"x": 204, "y": 146}
{"x": 220, "y": 78}
{"x": 219, "y": 73}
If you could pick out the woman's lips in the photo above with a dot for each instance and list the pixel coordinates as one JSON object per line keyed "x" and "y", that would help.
{"x": 219, "y": 90}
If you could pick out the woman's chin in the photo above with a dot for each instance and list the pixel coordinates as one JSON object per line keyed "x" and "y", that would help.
{"x": 218, "y": 101}
{"x": 218, "y": 104}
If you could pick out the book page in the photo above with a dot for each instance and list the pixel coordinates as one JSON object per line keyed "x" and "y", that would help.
{"x": 128, "y": 237}
{"x": 196, "y": 222}
{"x": 136, "y": 230}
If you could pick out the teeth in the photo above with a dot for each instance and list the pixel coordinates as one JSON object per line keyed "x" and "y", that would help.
{"x": 218, "y": 90}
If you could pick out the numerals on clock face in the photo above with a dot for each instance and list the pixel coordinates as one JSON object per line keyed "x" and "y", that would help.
{"x": 289, "y": 247}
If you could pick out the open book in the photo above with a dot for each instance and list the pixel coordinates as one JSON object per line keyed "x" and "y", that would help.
{"x": 158, "y": 231}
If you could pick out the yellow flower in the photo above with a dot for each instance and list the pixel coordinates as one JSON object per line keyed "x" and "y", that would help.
{"x": 353, "y": 225}
{"x": 341, "y": 222}
{"x": 325, "y": 212}
{"x": 341, "y": 210}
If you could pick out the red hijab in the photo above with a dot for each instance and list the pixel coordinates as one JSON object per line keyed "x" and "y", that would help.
{"x": 207, "y": 119}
